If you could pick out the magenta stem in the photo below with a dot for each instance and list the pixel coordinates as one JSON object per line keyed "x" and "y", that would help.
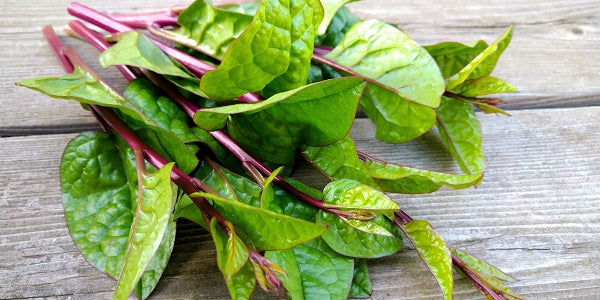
{"x": 57, "y": 48}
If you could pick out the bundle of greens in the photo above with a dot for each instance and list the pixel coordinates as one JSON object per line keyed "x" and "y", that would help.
{"x": 219, "y": 97}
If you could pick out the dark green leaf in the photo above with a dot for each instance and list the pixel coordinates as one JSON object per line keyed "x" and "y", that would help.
{"x": 361, "y": 284}
{"x": 461, "y": 134}
{"x": 274, "y": 128}
{"x": 268, "y": 230}
{"x": 314, "y": 270}
{"x": 433, "y": 251}
{"x": 388, "y": 58}
{"x": 229, "y": 185}
{"x": 232, "y": 253}
{"x": 340, "y": 24}
{"x": 483, "y": 86}
{"x": 399, "y": 179}
{"x": 208, "y": 29}
{"x": 135, "y": 49}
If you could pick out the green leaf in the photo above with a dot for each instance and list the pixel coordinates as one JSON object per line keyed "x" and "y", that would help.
{"x": 399, "y": 179}
{"x": 232, "y": 253}
{"x": 268, "y": 230}
{"x": 348, "y": 194}
{"x": 135, "y": 49}
{"x": 342, "y": 21}
{"x": 483, "y": 86}
{"x": 349, "y": 241}
{"x": 83, "y": 87}
{"x": 305, "y": 19}
{"x": 483, "y": 64}
{"x": 388, "y": 58}
{"x": 481, "y": 266}
{"x": 150, "y": 222}
{"x": 268, "y": 194}
{"x": 330, "y": 8}
{"x": 157, "y": 264}
{"x": 314, "y": 271}
{"x": 262, "y": 52}
{"x": 228, "y": 184}
{"x": 99, "y": 199}
{"x": 185, "y": 208}
{"x": 208, "y": 29}
{"x": 248, "y": 8}
{"x": 242, "y": 283}
{"x": 361, "y": 284}
{"x": 274, "y": 128}
{"x": 451, "y": 57}
{"x": 433, "y": 251}
{"x": 339, "y": 160}
{"x": 460, "y": 132}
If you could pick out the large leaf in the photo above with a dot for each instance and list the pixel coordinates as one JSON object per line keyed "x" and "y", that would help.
{"x": 460, "y": 132}
{"x": 99, "y": 198}
{"x": 388, "y": 58}
{"x": 433, "y": 251}
{"x": 83, "y": 87}
{"x": 361, "y": 284}
{"x": 350, "y": 241}
{"x": 314, "y": 271}
{"x": 348, "y": 194}
{"x": 399, "y": 179}
{"x": 268, "y": 230}
{"x": 135, "y": 49}
{"x": 150, "y": 221}
{"x": 274, "y": 128}
{"x": 306, "y": 17}
{"x": 208, "y": 29}
{"x": 330, "y": 8}
{"x": 483, "y": 64}
{"x": 232, "y": 253}
{"x": 263, "y": 52}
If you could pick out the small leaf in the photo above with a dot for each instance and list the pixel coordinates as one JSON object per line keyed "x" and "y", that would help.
{"x": 314, "y": 271}
{"x": 349, "y": 241}
{"x": 481, "y": 266}
{"x": 433, "y": 251}
{"x": 150, "y": 222}
{"x": 461, "y": 134}
{"x": 208, "y": 29}
{"x": 232, "y": 253}
{"x": 135, "y": 49}
{"x": 268, "y": 230}
{"x": 483, "y": 86}
{"x": 399, "y": 179}
{"x": 268, "y": 194}
{"x": 348, "y": 194}
{"x": 451, "y": 57}
{"x": 361, "y": 284}
{"x": 483, "y": 64}
{"x": 330, "y": 8}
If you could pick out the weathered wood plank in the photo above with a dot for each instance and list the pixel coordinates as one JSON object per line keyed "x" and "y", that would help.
{"x": 536, "y": 215}
{"x": 553, "y": 58}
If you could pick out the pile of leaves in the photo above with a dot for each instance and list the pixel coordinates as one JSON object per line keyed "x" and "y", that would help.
{"x": 221, "y": 103}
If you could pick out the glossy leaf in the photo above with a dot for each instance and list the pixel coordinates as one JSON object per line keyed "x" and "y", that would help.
{"x": 263, "y": 51}
{"x": 348, "y": 194}
{"x": 481, "y": 266}
{"x": 483, "y": 86}
{"x": 460, "y": 132}
{"x": 399, "y": 179}
{"x": 451, "y": 57}
{"x": 315, "y": 271}
{"x": 349, "y": 241}
{"x": 135, "y": 49}
{"x": 150, "y": 221}
{"x": 157, "y": 264}
{"x": 185, "y": 208}
{"x": 305, "y": 19}
{"x": 433, "y": 251}
{"x": 274, "y": 128}
{"x": 388, "y": 58}
{"x": 232, "y": 253}
{"x": 268, "y": 194}
{"x": 248, "y": 8}
{"x": 242, "y": 283}
{"x": 361, "y": 284}
{"x": 341, "y": 22}
{"x": 208, "y": 29}
{"x": 483, "y": 64}
{"x": 83, "y": 87}
{"x": 229, "y": 185}
{"x": 330, "y": 8}
{"x": 268, "y": 230}
{"x": 339, "y": 160}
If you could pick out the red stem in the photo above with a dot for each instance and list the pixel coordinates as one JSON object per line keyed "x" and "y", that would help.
{"x": 57, "y": 47}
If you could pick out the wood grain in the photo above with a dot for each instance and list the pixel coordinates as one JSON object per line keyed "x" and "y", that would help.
{"x": 536, "y": 215}
{"x": 553, "y": 59}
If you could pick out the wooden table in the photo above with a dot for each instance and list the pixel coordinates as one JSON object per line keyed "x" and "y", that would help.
{"x": 536, "y": 214}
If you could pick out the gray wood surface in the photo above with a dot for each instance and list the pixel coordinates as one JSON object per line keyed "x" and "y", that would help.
{"x": 536, "y": 214}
